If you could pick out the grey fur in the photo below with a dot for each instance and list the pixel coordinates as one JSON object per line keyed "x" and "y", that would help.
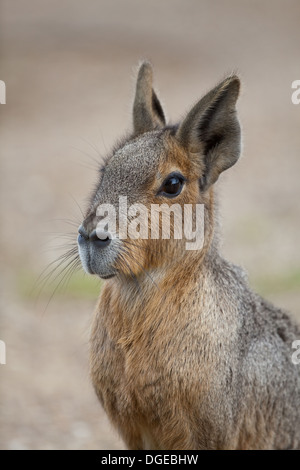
{"x": 147, "y": 111}
{"x": 125, "y": 174}
{"x": 212, "y": 128}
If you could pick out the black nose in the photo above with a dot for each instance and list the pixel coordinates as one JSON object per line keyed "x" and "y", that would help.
{"x": 101, "y": 240}
{"x": 83, "y": 235}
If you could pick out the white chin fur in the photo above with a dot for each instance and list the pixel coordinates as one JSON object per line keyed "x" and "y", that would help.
{"x": 84, "y": 261}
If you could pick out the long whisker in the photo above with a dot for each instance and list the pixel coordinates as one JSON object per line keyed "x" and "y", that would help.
{"x": 93, "y": 146}
{"x": 45, "y": 276}
{"x": 73, "y": 223}
{"x": 68, "y": 271}
{"x": 61, "y": 269}
{"x": 56, "y": 235}
{"x": 96, "y": 163}
{"x": 77, "y": 204}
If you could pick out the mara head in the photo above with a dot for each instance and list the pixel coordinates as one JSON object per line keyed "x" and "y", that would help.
{"x": 153, "y": 202}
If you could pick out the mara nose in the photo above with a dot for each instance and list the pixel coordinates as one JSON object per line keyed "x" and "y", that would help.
{"x": 82, "y": 235}
{"x": 100, "y": 239}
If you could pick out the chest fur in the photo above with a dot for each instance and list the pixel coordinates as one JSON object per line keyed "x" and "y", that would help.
{"x": 143, "y": 357}
{"x": 154, "y": 368}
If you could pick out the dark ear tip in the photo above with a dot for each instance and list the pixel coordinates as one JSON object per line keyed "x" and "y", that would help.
{"x": 234, "y": 78}
{"x": 145, "y": 69}
{"x": 233, "y": 83}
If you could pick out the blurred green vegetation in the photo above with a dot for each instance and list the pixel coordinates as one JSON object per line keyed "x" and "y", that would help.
{"x": 82, "y": 286}
{"x": 79, "y": 285}
{"x": 276, "y": 283}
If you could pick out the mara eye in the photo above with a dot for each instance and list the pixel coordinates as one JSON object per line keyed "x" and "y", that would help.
{"x": 172, "y": 185}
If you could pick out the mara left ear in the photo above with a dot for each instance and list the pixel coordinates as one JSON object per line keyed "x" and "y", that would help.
{"x": 147, "y": 110}
{"x": 212, "y": 130}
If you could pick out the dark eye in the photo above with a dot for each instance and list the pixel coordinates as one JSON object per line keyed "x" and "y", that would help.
{"x": 172, "y": 185}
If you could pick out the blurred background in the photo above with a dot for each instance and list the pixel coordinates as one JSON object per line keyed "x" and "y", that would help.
{"x": 69, "y": 68}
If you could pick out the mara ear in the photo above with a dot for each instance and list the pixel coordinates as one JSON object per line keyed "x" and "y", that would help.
{"x": 211, "y": 129}
{"x": 147, "y": 111}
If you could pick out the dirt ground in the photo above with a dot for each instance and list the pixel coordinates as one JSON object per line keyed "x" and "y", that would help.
{"x": 69, "y": 69}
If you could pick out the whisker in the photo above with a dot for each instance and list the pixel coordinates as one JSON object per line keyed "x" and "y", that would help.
{"x": 96, "y": 163}
{"x": 59, "y": 271}
{"x": 58, "y": 247}
{"x": 77, "y": 204}
{"x": 103, "y": 142}
{"x": 68, "y": 271}
{"x": 56, "y": 235}
{"x": 93, "y": 146}
{"x": 73, "y": 223}
{"x": 46, "y": 275}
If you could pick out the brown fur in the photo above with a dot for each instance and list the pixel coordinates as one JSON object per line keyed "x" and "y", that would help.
{"x": 183, "y": 354}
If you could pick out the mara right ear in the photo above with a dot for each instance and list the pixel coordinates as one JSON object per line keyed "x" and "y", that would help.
{"x": 147, "y": 110}
{"x": 211, "y": 129}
